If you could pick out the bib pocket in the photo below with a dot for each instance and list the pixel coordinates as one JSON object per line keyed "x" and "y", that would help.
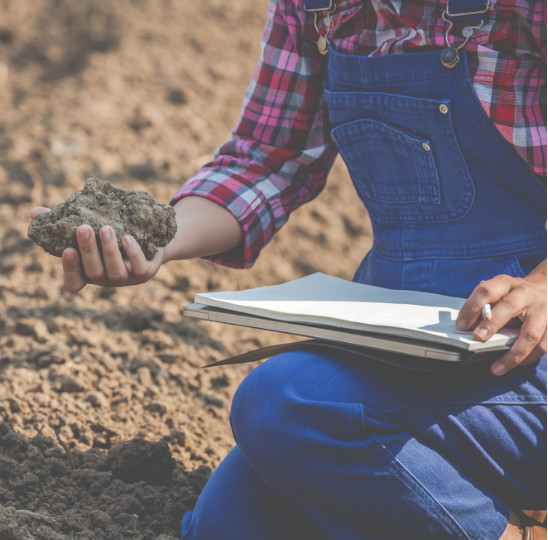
{"x": 402, "y": 164}
{"x": 402, "y": 155}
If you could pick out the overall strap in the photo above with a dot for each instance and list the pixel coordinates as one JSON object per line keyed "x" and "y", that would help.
{"x": 470, "y": 9}
{"x": 463, "y": 13}
{"x": 318, "y": 5}
{"x": 321, "y": 7}
{"x": 469, "y": 12}
{"x": 468, "y": 15}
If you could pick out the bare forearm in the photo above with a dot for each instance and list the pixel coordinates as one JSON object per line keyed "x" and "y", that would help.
{"x": 203, "y": 228}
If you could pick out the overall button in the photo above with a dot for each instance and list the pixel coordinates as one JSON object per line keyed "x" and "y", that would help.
{"x": 443, "y": 109}
{"x": 426, "y": 146}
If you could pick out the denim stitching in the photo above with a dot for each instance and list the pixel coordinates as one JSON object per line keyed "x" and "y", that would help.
{"x": 446, "y": 516}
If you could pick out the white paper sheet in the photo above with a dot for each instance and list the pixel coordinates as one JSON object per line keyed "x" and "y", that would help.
{"x": 328, "y": 300}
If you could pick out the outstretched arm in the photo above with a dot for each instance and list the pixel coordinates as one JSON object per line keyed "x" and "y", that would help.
{"x": 203, "y": 228}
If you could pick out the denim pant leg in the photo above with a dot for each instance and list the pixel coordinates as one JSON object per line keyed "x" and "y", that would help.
{"x": 237, "y": 505}
{"x": 366, "y": 452}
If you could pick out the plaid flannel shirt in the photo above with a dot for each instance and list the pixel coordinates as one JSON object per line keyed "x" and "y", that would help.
{"x": 280, "y": 151}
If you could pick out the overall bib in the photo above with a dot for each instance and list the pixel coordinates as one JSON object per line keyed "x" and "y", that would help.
{"x": 333, "y": 447}
{"x": 450, "y": 201}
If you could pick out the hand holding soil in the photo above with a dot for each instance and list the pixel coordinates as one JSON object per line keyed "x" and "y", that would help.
{"x": 94, "y": 225}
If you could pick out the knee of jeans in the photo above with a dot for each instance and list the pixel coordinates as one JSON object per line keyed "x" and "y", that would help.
{"x": 256, "y": 403}
{"x": 260, "y": 414}
{"x": 278, "y": 417}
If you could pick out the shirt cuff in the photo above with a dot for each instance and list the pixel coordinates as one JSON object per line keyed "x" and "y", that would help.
{"x": 246, "y": 203}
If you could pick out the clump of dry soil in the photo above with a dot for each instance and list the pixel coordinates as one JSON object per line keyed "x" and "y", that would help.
{"x": 99, "y": 203}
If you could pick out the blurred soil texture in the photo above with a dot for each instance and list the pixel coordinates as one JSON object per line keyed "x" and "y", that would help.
{"x": 100, "y": 388}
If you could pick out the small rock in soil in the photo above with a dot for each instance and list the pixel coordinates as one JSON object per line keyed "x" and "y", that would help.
{"x": 99, "y": 203}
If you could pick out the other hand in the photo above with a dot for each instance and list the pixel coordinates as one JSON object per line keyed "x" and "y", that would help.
{"x": 511, "y": 298}
{"x": 106, "y": 267}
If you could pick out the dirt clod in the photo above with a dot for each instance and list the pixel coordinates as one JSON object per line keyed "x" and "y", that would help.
{"x": 99, "y": 203}
{"x": 139, "y": 459}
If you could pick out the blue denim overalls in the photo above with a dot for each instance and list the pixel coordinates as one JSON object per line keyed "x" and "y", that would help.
{"x": 450, "y": 201}
{"x": 330, "y": 447}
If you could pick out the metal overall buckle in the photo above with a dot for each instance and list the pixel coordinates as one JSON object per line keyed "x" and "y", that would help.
{"x": 323, "y": 43}
{"x": 450, "y": 55}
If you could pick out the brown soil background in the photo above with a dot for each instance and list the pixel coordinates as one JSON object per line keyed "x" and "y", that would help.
{"x": 139, "y": 93}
